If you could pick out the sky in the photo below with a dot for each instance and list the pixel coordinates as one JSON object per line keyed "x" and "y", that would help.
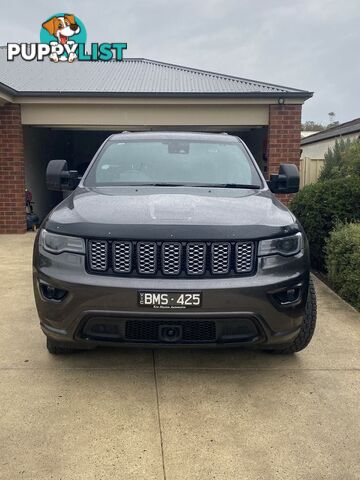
{"x": 310, "y": 44}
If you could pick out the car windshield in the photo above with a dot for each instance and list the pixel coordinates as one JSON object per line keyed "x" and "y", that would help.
{"x": 174, "y": 162}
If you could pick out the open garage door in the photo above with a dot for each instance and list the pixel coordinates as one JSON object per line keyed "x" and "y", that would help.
{"x": 42, "y": 144}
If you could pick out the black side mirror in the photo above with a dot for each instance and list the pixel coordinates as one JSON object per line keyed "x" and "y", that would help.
{"x": 286, "y": 181}
{"x": 59, "y": 177}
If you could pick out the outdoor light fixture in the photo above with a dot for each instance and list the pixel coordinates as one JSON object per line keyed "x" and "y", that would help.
{"x": 281, "y": 101}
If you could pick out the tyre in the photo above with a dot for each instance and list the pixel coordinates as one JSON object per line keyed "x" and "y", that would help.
{"x": 59, "y": 348}
{"x": 307, "y": 328}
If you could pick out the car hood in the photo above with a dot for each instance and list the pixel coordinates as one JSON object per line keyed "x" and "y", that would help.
{"x": 171, "y": 213}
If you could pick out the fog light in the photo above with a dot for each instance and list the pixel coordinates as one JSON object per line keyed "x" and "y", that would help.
{"x": 52, "y": 293}
{"x": 288, "y": 296}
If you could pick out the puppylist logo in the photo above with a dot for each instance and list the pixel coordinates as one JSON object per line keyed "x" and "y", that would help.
{"x": 63, "y": 39}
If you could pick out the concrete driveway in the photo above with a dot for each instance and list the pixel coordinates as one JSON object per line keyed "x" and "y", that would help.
{"x": 175, "y": 415}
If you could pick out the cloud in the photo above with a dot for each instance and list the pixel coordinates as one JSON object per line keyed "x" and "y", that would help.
{"x": 306, "y": 44}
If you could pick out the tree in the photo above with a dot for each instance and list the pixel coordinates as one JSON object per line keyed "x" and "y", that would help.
{"x": 351, "y": 158}
{"x": 331, "y": 117}
{"x": 311, "y": 126}
{"x": 341, "y": 160}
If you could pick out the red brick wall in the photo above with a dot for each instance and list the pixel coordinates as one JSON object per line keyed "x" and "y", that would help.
{"x": 12, "y": 174}
{"x": 283, "y": 139}
{"x": 283, "y": 146}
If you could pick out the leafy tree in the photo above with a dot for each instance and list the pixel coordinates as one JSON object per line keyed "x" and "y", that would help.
{"x": 334, "y": 160}
{"x": 311, "y": 126}
{"x": 351, "y": 159}
{"x": 331, "y": 117}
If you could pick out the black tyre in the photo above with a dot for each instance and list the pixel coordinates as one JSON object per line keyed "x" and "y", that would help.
{"x": 58, "y": 348}
{"x": 307, "y": 328}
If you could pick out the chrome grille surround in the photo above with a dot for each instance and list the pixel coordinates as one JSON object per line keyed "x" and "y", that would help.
{"x": 122, "y": 257}
{"x": 195, "y": 258}
{"x": 171, "y": 253}
{"x": 244, "y": 257}
{"x": 220, "y": 258}
{"x": 147, "y": 258}
{"x": 171, "y": 258}
{"x": 98, "y": 255}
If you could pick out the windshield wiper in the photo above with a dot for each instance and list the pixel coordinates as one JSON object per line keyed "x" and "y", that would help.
{"x": 159, "y": 184}
{"x": 203, "y": 185}
{"x": 233, "y": 185}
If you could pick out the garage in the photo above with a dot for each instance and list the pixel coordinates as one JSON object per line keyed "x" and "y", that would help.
{"x": 66, "y": 111}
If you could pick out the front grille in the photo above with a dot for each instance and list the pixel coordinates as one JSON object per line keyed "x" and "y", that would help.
{"x": 191, "y": 331}
{"x": 221, "y": 257}
{"x": 98, "y": 255}
{"x": 171, "y": 258}
{"x": 122, "y": 257}
{"x": 196, "y": 258}
{"x": 244, "y": 254}
{"x": 146, "y": 257}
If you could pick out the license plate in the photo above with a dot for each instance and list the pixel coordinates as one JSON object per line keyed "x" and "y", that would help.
{"x": 169, "y": 300}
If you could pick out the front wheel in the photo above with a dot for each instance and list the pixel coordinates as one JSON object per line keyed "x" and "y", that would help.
{"x": 307, "y": 328}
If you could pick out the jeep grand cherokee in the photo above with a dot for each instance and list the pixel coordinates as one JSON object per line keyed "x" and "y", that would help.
{"x": 173, "y": 239}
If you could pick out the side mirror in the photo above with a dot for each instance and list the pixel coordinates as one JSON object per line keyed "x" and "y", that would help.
{"x": 59, "y": 177}
{"x": 286, "y": 181}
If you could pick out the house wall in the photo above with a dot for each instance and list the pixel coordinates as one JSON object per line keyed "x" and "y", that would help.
{"x": 129, "y": 115}
{"x": 283, "y": 142}
{"x": 12, "y": 178}
{"x": 317, "y": 150}
{"x": 283, "y": 139}
{"x": 312, "y": 157}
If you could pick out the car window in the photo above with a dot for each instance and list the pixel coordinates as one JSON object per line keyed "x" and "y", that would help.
{"x": 173, "y": 161}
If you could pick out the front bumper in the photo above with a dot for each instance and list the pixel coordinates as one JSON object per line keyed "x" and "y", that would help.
{"x": 103, "y": 310}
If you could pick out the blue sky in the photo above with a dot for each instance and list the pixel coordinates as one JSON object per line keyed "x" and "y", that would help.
{"x": 308, "y": 44}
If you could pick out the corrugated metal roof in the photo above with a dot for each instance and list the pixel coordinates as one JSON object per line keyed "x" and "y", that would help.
{"x": 133, "y": 76}
{"x": 343, "y": 129}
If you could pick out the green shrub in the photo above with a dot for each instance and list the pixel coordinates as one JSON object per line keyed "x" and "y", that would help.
{"x": 341, "y": 160}
{"x": 343, "y": 261}
{"x": 351, "y": 158}
{"x": 334, "y": 160}
{"x": 319, "y": 206}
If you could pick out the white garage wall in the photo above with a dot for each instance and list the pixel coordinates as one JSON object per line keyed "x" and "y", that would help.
{"x": 104, "y": 116}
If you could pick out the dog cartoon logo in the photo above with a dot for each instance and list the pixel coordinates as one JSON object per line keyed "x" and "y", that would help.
{"x": 63, "y": 31}
{"x": 63, "y": 39}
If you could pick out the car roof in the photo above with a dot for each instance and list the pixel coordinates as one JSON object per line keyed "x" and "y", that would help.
{"x": 170, "y": 135}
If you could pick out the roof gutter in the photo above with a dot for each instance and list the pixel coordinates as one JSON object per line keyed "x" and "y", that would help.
{"x": 6, "y": 93}
{"x": 280, "y": 95}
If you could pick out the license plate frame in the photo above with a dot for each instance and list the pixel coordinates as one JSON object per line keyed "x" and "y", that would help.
{"x": 169, "y": 300}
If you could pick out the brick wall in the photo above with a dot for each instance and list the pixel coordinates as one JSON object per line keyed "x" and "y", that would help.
{"x": 12, "y": 174}
{"x": 283, "y": 146}
{"x": 283, "y": 139}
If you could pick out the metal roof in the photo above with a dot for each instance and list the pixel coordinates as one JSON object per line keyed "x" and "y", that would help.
{"x": 343, "y": 129}
{"x": 131, "y": 77}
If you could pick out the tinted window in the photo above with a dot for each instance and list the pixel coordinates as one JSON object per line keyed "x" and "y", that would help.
{"x": 172, "y": 161}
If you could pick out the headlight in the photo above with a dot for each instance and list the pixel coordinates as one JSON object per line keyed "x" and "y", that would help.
{"x": 54, "y": 243}
{"x": 282, "y": 246}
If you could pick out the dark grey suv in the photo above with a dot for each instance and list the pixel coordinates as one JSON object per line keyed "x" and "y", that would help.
{"x": 173, "y": 239}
